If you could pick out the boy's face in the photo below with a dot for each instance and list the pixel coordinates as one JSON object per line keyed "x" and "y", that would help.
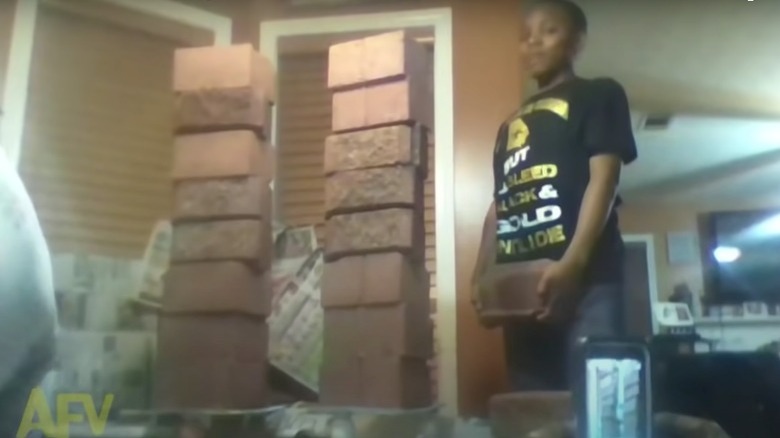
{"x": 549, "y": 42}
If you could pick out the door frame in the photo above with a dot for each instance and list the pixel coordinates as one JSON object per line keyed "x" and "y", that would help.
{"x": 440, "y": 19}
{"x": 20, "y": 54}
{"x": 652, "y": 275}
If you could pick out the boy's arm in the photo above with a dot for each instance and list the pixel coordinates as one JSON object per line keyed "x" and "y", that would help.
{"x": 609, "y": 140}
{"x": 487, "y": 249}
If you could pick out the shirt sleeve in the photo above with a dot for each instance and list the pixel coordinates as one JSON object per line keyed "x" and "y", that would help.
{"x": 498, "y": 165}
{"x": 608, "y": 127}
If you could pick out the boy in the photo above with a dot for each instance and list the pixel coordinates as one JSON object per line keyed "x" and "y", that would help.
{"x": 556, "y": 165}
{"x": 28, "y": 313}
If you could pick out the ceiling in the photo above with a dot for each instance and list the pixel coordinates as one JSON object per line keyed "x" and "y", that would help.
{"x": 715, "y": 67}
{"x": 712, "y": 65}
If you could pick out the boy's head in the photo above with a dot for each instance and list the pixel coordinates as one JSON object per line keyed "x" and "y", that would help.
{"x": 553, "y": 34}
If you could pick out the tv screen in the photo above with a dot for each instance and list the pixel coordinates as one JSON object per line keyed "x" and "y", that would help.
{"x": 742, "y": 257}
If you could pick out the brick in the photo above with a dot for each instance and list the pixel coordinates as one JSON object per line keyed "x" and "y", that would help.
{"x": 371, "y": 189}
{"x": 388, "y": 56}
{"x": 518, "y": 414}
{"x": 224, "y": 198}
{"x": 404, "y": 101}
{"x": 217, "y": 287}
{"x": 397, "y": 145}
{"x": 376, "y": 231}
{"x": 396, "y": 382}
{"x": 340, "y": 381}
{"x": 239, "y": 338}
{"x": 211, "y": 384}
{"x": 402, "y": 329}
{"x": 220, "y": 155}
{"x": 217, "y": 88}
{"x": 374, "y": 279}
{"x": 242, "y": 240}
{"x": 213, "y": 67}
{"x": 510, "y": 290}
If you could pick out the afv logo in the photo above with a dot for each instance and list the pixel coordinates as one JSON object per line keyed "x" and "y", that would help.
{"x": 38, "y": 416}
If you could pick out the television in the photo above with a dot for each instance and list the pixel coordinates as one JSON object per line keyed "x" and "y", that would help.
{"x": 741, "y": 256}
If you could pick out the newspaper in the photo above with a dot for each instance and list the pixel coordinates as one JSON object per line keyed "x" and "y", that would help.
{"x": 296, "y": 322}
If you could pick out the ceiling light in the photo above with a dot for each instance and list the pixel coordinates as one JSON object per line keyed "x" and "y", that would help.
{"x": 726, "y": 254}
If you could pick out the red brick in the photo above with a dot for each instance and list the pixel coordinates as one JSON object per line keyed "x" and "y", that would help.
{"x": 242, "y": 240}
{"x": 239, "y": 338}
{"x": 340, "y": 381}
{"x": 385, "y": 57}
{"x": 374, "y": 279}
{"x": 225, "y": 198}
{"x": 212, "y": 110}
{"x": 378, "y": 147}
{"x": 220, "y": 155}
{"x": 219, "y": 67}
{"x": 401, "y": 329}
{"x": 396, "y": 382}
{"x": 210, "y": 384}
{"x": 510, "y": 289}
{"x": 404, "y": 101}
{"x": 387, "y": 230}
{"x": 371, "y": 189}
{"x": 217, "y": 287}
{"x": 518, "y": 414}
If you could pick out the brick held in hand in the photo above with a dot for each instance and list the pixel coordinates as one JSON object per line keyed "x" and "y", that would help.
{"x": 371, "y": 189}
{"x": 220, "y": 155}
{"x": 375, "y": 231}
{"x": 397, "y": 145}
{"x": 223, "y": 198}
{"x": 388, "y": 56}
{"x": 373, "y": 279}
{"x": 405, "y": 101}
{"x": 217, "y": 287}
{"x": 246, "y": 240}
{"x": 219, "y": 88}
{"x": 510, "y": 289}
{"x": 211, "y": 384}
{"x": 396, "y": 382}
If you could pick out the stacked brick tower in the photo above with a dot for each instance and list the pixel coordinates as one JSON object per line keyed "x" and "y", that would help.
{"x": 213, "y": 336}
{"x": 378, "y": 336}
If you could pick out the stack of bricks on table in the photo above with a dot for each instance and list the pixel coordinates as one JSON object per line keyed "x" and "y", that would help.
{"x": 213, "y": 335}
{"x": 378, "y": 335}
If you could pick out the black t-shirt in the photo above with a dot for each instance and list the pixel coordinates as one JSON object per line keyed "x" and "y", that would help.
{"x": 541, "y": 170}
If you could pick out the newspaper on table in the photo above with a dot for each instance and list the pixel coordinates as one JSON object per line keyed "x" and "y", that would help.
{"x": 296, "y": 322}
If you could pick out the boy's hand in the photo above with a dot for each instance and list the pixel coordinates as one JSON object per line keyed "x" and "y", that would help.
{"x": 557, "y": 286}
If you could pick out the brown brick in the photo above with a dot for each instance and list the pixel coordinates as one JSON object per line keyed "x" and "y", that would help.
{"x": 210, "y": 384}
{"x": 373, "y": 279}
{"x": 371, "y": 189}
{"x": 220, "y": 155}
{"x": 518, "y": 414}
{"x": 224, "y": 198}
{"x": 340, "y": 381}
{"x": 239, "y": 338}
{"x": 378, "y": 147}
{"x": 242, "y": 240}
{"x": 396, "y": 382}
{"x": 405, "y": 101}
{"x": 373, "y": 231}
{"x": 382, "y": 57}
{"x": 221, "y": 88}
{"x": 510, "y": 290}
{"x": 217, "y": 287}
{"x": 212, "y": 67}
{"x": 401, "y": 329}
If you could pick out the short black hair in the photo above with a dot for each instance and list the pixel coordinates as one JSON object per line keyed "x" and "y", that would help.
{"x": 575, "y": 13}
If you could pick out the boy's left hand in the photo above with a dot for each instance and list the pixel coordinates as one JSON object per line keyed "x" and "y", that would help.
{"x": 557, "y": 286}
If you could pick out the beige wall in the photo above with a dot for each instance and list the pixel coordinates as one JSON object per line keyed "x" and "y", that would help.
{"x": 660, "y": 219}
{"x": 7, "y": 9}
